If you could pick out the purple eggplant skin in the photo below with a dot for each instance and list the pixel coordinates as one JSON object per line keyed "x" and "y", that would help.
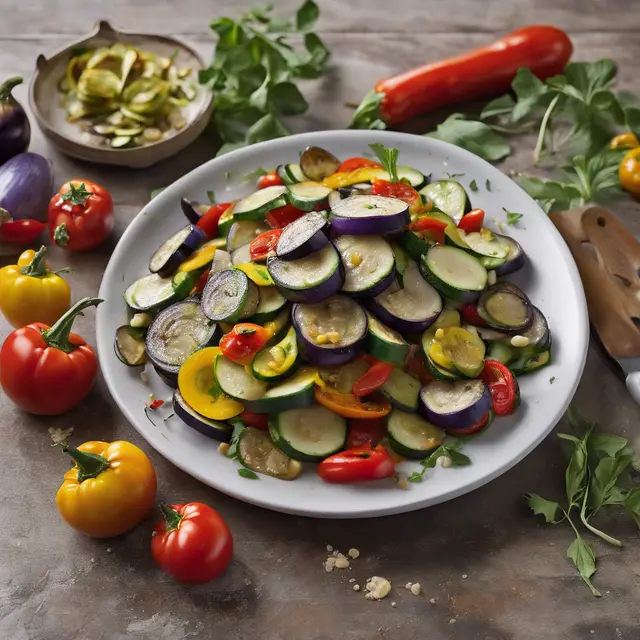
{"x": 377, "y": 288}
{"x": 15, "y": 130}
{"x": 506, "y": 287}
{"x": 369, "y": 225}
{"x": 321, "y": 292}
{"x": 394, "y": 322}
{"x": 168, "y": 377}
{"x": 323, "y": 356}
{"x": 456, "y": 419}
{"x": 26, "y": 186}
{"x": 514, "y": 263}
{"x": 219, "y": 431}
{"x": 296, "y": 241}
{"x": 193, "y": 210}
{"x": 191, "y": 243}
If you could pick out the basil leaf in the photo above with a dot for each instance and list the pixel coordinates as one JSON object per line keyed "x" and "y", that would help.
{"x": 552, "y": 195}
{"x": 487, "y": 185}
{"x": 576, "y": 472}
{"x": 584, "y": 560}
{"x": 604, "y": 444}
{"x": 247, "y": 473}
{"x": 473, "y": 185}
{"x": 367, "y": 115}
{"x": 632, "y": 503}
{"x": 307, "y": 16}
{"x": 533, "y": 95}
{"x": 544, "y": 507}
{"x": 472, "y": 135}
{"x": 238, "y": 427}
{"x": 287, "y": 99}
{"x": 267, "y": 128}
{"x": 512, "y": 217}
{"x": 502, "y": 106}
{"x": 632, "y": 119}
{"x": 388, "y": 158}
{"x": 457, "y": 459}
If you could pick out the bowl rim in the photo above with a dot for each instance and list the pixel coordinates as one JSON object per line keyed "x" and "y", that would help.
{"x": 580, "y": 331}
{"x": 104, "y": 28}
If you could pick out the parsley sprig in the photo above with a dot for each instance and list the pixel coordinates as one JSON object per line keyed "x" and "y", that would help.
{"x": 449, "y": 450}
{"x": 255, "y": 65}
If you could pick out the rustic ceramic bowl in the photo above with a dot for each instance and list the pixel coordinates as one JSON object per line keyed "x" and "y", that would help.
{"x": 45, "y": 101}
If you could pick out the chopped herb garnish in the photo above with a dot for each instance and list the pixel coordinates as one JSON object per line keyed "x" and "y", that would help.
{"x": 473, "y": 185}
{"x": 254, "y": 175}
{"x": 487, "y": 185}
{"x": 212, "y": 197}
{"x": 450, "y": 450}
{"x": 247, "y": 473}
{"x": 454, "y": 176}
{"x": 552, "y": 379}
{"x": 512, "y": 216}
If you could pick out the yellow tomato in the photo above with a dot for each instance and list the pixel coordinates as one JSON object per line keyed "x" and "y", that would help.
{"x": 29, "y": 292}
{"x": 109, "y": 491}
{"x": 629, "y": 172}
{"x": 626, "y": 140}
{"x": 198, "y": 386}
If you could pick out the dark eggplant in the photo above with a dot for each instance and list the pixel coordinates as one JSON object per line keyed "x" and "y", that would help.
{"x": 338, "y": 318}
{"x": 176, "y": 333}
{"x": 220, "y": 431}
{"x": 193, "y": 210}
{"x": 454, "y": 405}
{"x": 303, "y": 236}
{"x": 506, "y": 308}
{"x": 26, "y": 186}
{"x": 538, "y": 334}
{"x": 15, "y": 131}
{"x": 515, "y": 258}
{"x": 170, "y": 379}
{"x": 318, "y": 164}
{"x": 368, "y": 214}
{"x": 176, "y": 250}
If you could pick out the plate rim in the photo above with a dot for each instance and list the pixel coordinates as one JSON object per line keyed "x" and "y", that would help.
{"x": 582, "y": 331}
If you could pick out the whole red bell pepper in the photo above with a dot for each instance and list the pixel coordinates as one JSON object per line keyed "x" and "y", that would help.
{"x": 480, "y": 73}
{"x": 48, "y": 370}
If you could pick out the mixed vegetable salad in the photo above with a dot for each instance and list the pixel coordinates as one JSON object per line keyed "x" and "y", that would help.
{"x": 345, "y": 313}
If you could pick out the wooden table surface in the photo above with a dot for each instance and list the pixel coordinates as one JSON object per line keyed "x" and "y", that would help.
{"x": 489, "y": 570}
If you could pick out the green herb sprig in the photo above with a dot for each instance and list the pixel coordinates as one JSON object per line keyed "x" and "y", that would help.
{"x": 450, "y": 450}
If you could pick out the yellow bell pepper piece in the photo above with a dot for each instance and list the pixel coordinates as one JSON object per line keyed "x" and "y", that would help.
{"x": 198, "y": 386}
{"x": 29, "y": 292}
{"x": 257, "y": 273}
{"x": 110, "y": 490}
{"x": 348, "y": 178}
{"x": 200, "y": 259}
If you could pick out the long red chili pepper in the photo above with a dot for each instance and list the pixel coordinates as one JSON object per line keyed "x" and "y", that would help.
{"x": 480, "y": 73}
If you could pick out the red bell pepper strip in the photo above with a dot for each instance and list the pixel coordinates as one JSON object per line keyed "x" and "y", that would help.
{"x": 243, "y": 342}
{"x": 432, "y": 227}
{"x": 372, "y": 380}
{"x": 264, "y": 244}
{"x": 269, "y": 180}
{"x": 357, "y": 465}
{"x": 21, "y": 232}
{"x": 351, "y": 164}
{"x": 469, "y": 313}
{"x": 504, "y": 388}
{"x": 202, "y": 282}
{"x": 208, "y": 223}
{"x": 48, "y": 370}
{"x": 472, "y": 221}
{"x": 480, "y": 73}
{"x": 281, "y": 217}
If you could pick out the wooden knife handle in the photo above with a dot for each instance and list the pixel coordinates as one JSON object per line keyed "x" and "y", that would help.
{"x": 608, "y": 258}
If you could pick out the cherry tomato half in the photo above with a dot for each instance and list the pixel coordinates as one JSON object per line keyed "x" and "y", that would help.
{"x": 504, "y": 388}
{"x": 281, "y": 217}
{"x": 264, "y": 244}
{"x": 400, "y": 190}
{"x": 362, "y": 432}
{"x": 351, "y": 164}
{"x": 243, "y": 342}
{"x": 270, "y": 180}
{"x": 208, "y": 223}
{"x": 256, "y": 420}
{"x": 373, "y": 379}
{"x": 430, "y": 227}
{"x": 357, "y": 465}
{"x": 472, "y": 221}
{"x": 202, "y": 282}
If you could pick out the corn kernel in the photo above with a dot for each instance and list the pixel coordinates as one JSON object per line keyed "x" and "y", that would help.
{"x": 323, "y": 338}
{"x": 313, "y": 330}
{"x": 439, "y": 334}
{"x": 519, "y": 341}
{"x": 334, "y": 337}
{"x": 356, "y": 259}
{"x": 492, "y": 277}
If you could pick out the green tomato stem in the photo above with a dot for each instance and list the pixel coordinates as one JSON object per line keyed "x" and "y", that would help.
{"x": 171, "y": 517}
{"x": 58, "y": 335}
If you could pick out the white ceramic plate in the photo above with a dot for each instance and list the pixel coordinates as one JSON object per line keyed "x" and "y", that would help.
{"x": 550, "y": 279}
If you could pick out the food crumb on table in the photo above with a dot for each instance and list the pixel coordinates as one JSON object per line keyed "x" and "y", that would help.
{"x": 415, "y": 589}
{"x": 393, "y": 604}
{"x": 352, "y": 579}
{"x": 356, "y": 587}
{"x": 353, "y": 553}
{"x": 433, "y": 601}
{"x": 464, "y": 576}
{"x": 329, "y": 548}
{"x": 378, "y": 588}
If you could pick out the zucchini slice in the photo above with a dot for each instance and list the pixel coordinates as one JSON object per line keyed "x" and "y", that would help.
{"x": 384, "y": 343}
{"x": 150, "y": 293}
{"x": 412, "y": 436}
{"x": 297, "y": 391}
{"x": 307, "y": 195}
{"x": 166, "y": 258}
{"x": 500, "y": 351}
{"x": 276, "y": 362}
{"x": 527, "y": 363}
{"x": 241, "y": 255}
{"x": 225, "y": 222}
{"x": 454, "y": 272}
{"x": 402, "y": 391}
{"x": 235, "y": 382}
{"x": 504, "y": 307}
{"x": 416, "y": 179}
{"x": 310, "y": 434}
{"x": 458, "y": 349}
{"x": 129, "y": 346}
{"x": 368, "y": 262}
{"x": 290, "y": 173}
{"x": 242, "y": 232}
{"x": 257, "y": 452}
{"x": 259, "y": 203}
{"x": 270, "y": 304}
{"x": 449, "y": 197}
{"x": 229, "y": 295}
{"x": 485, "y": 244}
{"x": 448, "y": 318}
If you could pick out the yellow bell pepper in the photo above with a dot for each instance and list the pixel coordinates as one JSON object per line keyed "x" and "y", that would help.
{"x": 257, "y": 273}
{"x": 199, "y": 260}
{"x": 109, "y": 491}
{"x": 345, "y": 179}
{"x": 29, "y": 292}
{"x": 198, "y": 386}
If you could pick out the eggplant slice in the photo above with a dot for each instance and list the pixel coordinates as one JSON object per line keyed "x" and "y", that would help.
{"x": 303, "y": 236}
{"x": 318, "y": 164}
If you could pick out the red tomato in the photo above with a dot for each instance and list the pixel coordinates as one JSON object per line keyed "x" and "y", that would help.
{"x": 476, "y": 427}
{"x": 80, "y": 215}
{"x": 192, "y": 543}
{"x": 504, "y": 388}
{"x": 270, "y": 180}
{"x": 373, "y": 379}
{"x": 431, "y": 227}
{"x": 469, "y": 313}
{"x": 202, "y": 282}
{"x": 400, "y": 190}
{"x": 357, "y": 464}
{"x": 415, "y": 366}
{"x": 264, "y": 244}
{"x": 47, "y": 370}
{"x": 257, "y": 420}
{"x": 351, "y": 164}
{"x": 472, "y": 221}
{"x": 208, "y": 223}
{"x": 281, "y": 217}
{"x": 365, "y": 431}
{"x": 243, "y": 342}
